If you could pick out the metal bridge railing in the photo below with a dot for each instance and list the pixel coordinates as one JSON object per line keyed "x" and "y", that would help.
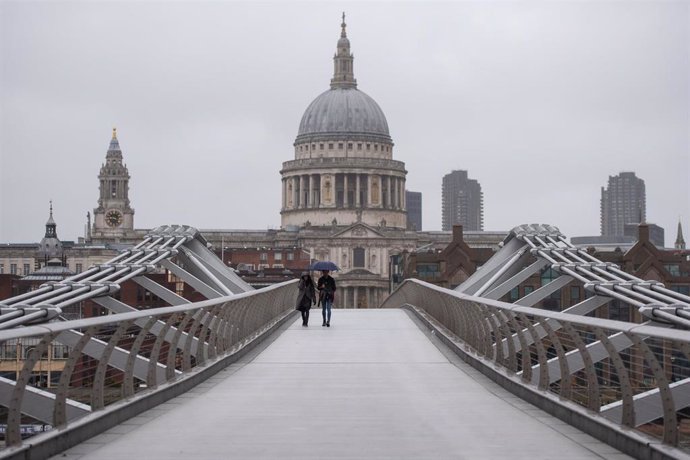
{"x": 634, "y": 375}
{"x": 66, "y": 370}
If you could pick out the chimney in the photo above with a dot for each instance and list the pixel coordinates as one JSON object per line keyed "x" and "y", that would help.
{"x": 643, "y": 232}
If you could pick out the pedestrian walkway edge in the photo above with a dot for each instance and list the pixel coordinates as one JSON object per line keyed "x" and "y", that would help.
{"x": 631, "y": 442}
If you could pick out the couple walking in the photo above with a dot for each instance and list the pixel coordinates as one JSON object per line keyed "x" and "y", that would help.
{"x": 307, "y": 296}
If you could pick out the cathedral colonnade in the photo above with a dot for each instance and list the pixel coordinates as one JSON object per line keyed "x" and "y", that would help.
{"x": 343, "y": 190}
{"x": 360, "y": 296}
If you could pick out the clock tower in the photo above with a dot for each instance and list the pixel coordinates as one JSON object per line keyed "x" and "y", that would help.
{"x": 114, "y": 217}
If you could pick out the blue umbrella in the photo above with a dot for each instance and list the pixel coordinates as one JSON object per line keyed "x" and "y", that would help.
{"x": 323, "y": 265}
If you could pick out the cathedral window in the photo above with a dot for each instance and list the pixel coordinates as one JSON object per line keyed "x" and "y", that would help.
{"x": 376, "y": 147}
{"x": 313, "y": 146}
{"x": 13, "y": 269}
{"x": 359, "y": 146}
{"x": 321, "y": 146}
{"x": 79, "y": 268}
{"x": 330, "y": 146}
{"x": 368, "y": 146}
{"x": 358, "y": 257}
{"x": 349, "y": 146}
{"x": 340, "y": 145}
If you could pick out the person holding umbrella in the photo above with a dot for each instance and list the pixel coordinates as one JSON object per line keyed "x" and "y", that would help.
{"x": 326, "y": 287}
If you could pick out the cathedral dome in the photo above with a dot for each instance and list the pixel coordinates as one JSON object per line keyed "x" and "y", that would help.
{"x": 341, "y": 113}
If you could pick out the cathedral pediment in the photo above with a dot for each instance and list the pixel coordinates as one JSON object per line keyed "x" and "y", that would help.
{"x": 359, "y": 230}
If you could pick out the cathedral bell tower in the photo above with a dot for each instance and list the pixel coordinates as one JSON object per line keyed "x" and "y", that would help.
{"x": 114, "y": 217}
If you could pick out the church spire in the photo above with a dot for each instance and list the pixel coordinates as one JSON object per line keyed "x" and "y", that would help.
{"x": 114, "y": 147}
{"x": 343, "y": 73}
{"x": 51, "y": 231}
{"x": 680, "y": 242}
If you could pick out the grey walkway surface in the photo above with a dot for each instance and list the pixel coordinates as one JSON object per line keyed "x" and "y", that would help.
{"x": 371, "y": 386}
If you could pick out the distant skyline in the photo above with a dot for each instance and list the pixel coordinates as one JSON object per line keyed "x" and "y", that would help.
{"x": 539, "y": 101}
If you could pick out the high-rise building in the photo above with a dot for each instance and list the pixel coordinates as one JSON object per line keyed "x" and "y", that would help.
{"x": 623, "y": 202}
{"x": 413, "y": 200}
{"x": 462, "y": 202}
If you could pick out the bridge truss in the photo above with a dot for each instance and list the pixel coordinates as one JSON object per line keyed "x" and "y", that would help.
{"x": 107, "y": 362}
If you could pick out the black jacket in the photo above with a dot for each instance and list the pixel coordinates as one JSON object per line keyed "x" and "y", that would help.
{"x": 326, "y": 286}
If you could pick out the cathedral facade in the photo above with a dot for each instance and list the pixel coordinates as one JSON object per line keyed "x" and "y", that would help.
{"x": 343, "y": 193}
{"x": 343, "y": 170}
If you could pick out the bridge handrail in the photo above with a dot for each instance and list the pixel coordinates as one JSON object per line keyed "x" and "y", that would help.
{"x": 621, "y": 326}
{"x": 634, "y": 375}
{"x": 30, "y": 331}
{"x": 110, "y": 359}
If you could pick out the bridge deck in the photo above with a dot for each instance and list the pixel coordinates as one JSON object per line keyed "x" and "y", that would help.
{"x": 371, "y": 386}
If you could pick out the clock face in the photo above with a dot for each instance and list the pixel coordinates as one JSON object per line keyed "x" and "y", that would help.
{"x": 113, "y": 218}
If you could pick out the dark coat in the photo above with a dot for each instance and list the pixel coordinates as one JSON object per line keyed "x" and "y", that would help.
{"x": 326, "y": 285}
{"x": 306, "y": 296}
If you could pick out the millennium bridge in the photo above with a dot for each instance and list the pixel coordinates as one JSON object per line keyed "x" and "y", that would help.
{"x": 434, "y": 373}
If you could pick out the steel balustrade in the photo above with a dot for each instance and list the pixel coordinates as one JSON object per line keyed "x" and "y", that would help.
{"x": 102, "y": 360}
{"x": 116, "y": 356}
{"x": 537, "y": 347}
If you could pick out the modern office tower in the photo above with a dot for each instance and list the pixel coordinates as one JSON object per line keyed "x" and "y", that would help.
{"x": 623, "y": 202}
{"x": 413, "y": 200}
{"x": 462, "y": 202}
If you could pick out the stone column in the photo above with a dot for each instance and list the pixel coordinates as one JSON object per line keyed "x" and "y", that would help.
{"x": 388, "y": 187}
{"x": 395, "y": 192}
{"x": 357, "y": 192}
{"x": 301, "y": 191}
{"x": 294, "y": 192}
{"x": 401, "y": 192}
{"x": 345, "y": 201}
{"x": 355, "y": 297}
{"x": 310, "y": 191}
{"x": 404, "y": 200}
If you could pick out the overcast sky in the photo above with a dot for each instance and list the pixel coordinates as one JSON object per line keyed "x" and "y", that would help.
{"x": 540, "y": 101}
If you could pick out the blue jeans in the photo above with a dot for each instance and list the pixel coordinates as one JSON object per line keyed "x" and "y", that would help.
{"x": 326, "y": 310}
